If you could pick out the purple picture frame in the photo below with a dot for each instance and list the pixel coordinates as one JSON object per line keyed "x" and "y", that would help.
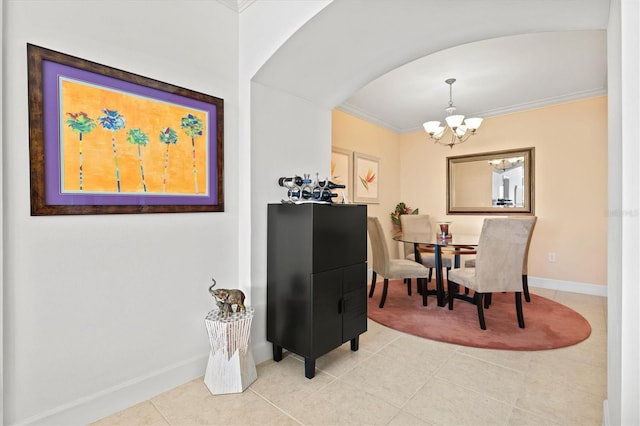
{"x": 45, "y": 68}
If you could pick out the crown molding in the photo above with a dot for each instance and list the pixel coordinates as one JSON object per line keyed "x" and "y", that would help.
{"x": 237, "y": 5}
{"x": 364, "y": 115}
{"x": 540, "y": 103}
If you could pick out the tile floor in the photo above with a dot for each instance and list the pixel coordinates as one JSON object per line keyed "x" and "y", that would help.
{"x": 399, "y": 379}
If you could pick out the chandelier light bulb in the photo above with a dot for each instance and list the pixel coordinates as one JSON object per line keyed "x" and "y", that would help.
{"x": 454, "y": 121}
{"x": 431, "y": 126}
{"x": 460, "y": 131}
{"x": 473, "y": 123}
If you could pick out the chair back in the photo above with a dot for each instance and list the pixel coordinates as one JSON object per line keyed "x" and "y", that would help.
{"x": 415, "y": 226}
{"x": 526, "y": 252}
{"x": 379, "y": 248}
{"x": 501, "y": 254}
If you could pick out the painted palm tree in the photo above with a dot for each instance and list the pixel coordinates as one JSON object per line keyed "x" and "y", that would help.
{"x": 192, "y": 126}
{"x": 81, "y": 124}
{"x": 113, "y": 121}
{"x": 169, "y": 137}
{"x": 139, "y": 138}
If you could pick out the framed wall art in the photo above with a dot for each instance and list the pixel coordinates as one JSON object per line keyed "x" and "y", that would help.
{"x": 105, "y": 141}
{"x": 342, "y": 173}
{"x": 366, "y": 178}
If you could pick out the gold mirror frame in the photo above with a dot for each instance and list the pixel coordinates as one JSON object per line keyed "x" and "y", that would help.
{"x": 471, "y": 188}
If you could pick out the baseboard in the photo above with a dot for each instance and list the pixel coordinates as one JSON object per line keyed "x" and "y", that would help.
{"x": 605, "y": 413}
{"x": 570, "y": 286}
{"x": 262, "y": 352}
{"x": 101, "y": 404}
{"x": 551, "y": 284}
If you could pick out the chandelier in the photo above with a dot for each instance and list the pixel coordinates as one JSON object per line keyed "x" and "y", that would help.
{"x": 460, "y": 129}
{"x": 505, "y": 164}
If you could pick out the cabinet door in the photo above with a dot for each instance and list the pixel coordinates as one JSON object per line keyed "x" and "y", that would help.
{"x": 339, "y": 236}
{"x": 326, "y": 313}
{"x": 354, "y": 321}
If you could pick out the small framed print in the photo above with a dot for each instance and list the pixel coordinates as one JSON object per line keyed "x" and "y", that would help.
{"x": 342, "y": 173}
{"x": 366, "y": 178}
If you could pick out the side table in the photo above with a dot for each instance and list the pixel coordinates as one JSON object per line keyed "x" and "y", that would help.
{"x": 230, "y": 368}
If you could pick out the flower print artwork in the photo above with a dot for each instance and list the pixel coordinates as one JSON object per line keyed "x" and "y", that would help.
{"x": 367, "y": 172}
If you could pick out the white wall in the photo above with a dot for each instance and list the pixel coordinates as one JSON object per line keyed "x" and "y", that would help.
{"x": 624, "y": 319}
{"x": 280, "y": 146}
{"x": 1, "y": 222}
{"x": 103, "y": 311}
{"x": 612, "y": 406}
{"x": 264, "y": 27}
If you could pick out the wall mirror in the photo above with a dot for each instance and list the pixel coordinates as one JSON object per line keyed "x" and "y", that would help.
{"x": 500, "y": 182}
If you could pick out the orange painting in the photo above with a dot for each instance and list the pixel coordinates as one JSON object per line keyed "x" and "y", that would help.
{"x": 112, "y": 142}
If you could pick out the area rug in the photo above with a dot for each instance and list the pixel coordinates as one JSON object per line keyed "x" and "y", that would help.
{"x": 548, "y": 324}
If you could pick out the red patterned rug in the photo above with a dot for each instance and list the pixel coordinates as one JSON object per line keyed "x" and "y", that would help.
{"x": 548, "y": 324}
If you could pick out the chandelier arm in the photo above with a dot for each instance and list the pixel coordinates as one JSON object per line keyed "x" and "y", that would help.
{"x": 464, "y": 137}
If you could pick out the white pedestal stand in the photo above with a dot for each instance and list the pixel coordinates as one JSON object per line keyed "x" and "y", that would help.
{"x": 230, "y": 368}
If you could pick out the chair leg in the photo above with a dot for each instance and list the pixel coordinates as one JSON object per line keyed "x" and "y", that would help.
{"x": 424, "y": 284}
{"x": 408, "y": 281}
{"x": 519, "y": 309}
{"x": 478, "y": 299}
{"x": 374, "y": 276}
{"x": 487, "y": 300}
{"x": 385, "y": 287}
{"x": 430, "y": 272}
{"x": 451, "y": 289}
{"x": 525, "y": 288}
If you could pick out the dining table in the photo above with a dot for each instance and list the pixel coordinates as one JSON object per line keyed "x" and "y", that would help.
{"x": 459, "y": 244}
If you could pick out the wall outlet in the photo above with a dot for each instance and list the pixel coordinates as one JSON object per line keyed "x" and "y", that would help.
{"x": 551, "y": 256}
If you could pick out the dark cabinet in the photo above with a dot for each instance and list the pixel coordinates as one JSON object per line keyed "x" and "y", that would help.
{"x": 316, "y": 278}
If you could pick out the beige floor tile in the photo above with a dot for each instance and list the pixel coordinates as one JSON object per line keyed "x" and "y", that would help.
{"x": 562, "y": 403}
{"x": 406, "y": 419}
{"x": 391, "y": 379}
{"x": 578, "y": 299}
{"x": 494, "y": 381}
{"x": 580, "y": 375}
{"x": 377, "y": 336}
{"x": 591, "y": 351}
{"x": 284, "y": 383}
{"x": 543, "y": 292}
{"x": 415, "y": 352}
{"x": 193, "y": 404}
{"x": 519, "y": 417}
{"x": 341, "y": 360}
{"x": 342, "y": 404}
{"x": 444, "y": 403}
{"x": 516, "y": 360}
{"x": 141, "y": 414}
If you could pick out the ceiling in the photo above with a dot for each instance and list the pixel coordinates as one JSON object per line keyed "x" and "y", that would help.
{"x": 494, "y": 77}
{"x": 386, "y": 60}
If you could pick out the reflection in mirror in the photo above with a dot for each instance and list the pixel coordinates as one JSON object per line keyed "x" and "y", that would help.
{"x": 493, "y": 182}
{"x": 507, "y": 181}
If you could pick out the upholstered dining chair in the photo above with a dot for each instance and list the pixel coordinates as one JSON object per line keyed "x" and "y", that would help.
{"x": 499, "y": 265}
{"x": 471, "y": 263}
{"x": 385, "y": 266}
{"x": 418, "y": 227}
